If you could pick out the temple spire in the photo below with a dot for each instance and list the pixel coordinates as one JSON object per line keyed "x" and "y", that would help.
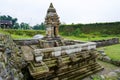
{"x": 51, "y": 5}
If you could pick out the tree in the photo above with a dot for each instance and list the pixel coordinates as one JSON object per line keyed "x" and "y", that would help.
{"x": 24, "y": 26}
{"x": 16, "y": 26}
{"x": 39, "y": 26}
{"x": 42, "y": 26}
{"x": 4, "y": 17}
{"x": 36, "y": 27}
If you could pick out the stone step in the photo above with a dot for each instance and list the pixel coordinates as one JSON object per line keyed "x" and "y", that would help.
{"x": 81, "y": 75}
{"x": 87, "y": 74}
{"x": 81, "y": 72}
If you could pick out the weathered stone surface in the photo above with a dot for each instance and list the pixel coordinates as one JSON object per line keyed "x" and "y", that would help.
{"x": 11, "y": 61}
{"x": 106, "y": 58}
{"x": 27, "y": 52}
{"x": 111, "y": 74}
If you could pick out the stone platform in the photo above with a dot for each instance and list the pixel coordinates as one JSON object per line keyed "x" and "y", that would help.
{"x": 72, "y": 60}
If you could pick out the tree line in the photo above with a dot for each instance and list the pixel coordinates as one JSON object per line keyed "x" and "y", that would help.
{"x": 22, "y": 25}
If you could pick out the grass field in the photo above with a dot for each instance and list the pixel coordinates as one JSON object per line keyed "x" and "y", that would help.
{"x": 20, "y": 37}
{"x": 21, "y": 34}
{"x": 88, "y": 39}
{"x": 112, "y": 51}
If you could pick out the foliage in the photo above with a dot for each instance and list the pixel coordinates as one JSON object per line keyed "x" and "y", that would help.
{"x": 96, "y": 77}
{"x": 4, "y": 17}
{"x": 15, "y": 25}
{"x": 39, "y": 27}
{"x": 105, "y": 29}
{"x": 24, "y": 26}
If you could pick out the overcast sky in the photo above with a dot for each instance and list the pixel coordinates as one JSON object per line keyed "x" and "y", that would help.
{"x": 69, "y": 11}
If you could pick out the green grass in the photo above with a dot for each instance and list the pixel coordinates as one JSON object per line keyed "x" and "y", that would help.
{"x": 109, "y": 66}
{"x": 20, "y": 37}
{"x": 15, "y": 36}
{"x": 21, "y": 34}
{"x": 112, "y": 51}
{"x": 87, "y": 39}
{"x": 3, "y": 32}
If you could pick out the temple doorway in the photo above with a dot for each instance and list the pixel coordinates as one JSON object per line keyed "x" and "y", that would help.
{"x": 54, "y": 31}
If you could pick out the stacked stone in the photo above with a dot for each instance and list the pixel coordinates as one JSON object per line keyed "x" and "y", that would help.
{"x": 63, "y": 61}
{"x": 10, "y": 63}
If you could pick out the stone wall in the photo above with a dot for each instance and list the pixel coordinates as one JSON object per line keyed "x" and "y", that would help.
{"x": 101, "y": 43}
{"x": 11, "y": 60}
{"x": 107, "y": 59}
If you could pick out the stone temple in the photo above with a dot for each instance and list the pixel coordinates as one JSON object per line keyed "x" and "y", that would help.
{"x": 49, "y": 58}
{"x": 52, "y": 23}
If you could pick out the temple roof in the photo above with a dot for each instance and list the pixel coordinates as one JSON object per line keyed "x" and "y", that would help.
{"x": 51, "y": 12}
{"x": 51, "y": 8}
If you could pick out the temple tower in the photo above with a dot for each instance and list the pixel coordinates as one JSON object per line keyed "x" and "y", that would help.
{"x": 52, "y": 22}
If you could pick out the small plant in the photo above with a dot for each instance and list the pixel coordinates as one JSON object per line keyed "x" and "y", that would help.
{"x": 96, "y": 77}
